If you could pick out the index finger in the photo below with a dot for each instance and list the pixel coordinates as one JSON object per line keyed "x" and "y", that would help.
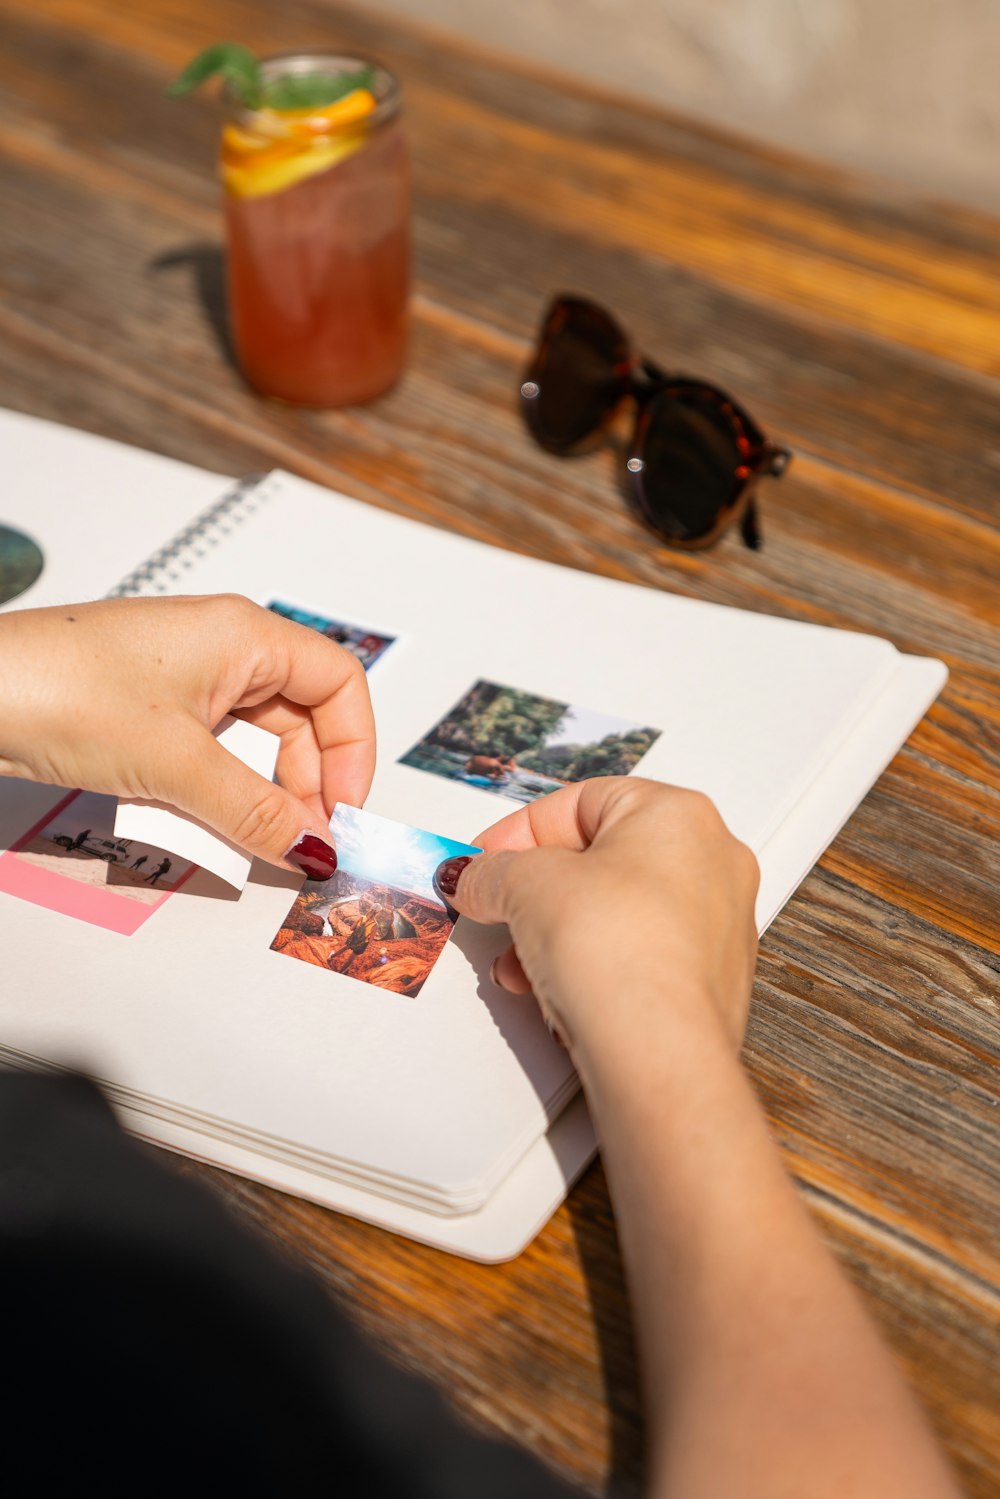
{"x": 316, "y": 673}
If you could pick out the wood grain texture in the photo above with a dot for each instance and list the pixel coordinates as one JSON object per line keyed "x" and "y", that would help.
{"x": 860, "y": 326}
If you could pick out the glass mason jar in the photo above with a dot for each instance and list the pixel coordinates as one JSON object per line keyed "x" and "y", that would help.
{"x": 317, "y": 210}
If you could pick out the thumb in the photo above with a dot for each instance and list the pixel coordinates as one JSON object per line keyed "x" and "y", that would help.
{"x": 265, "y": 819}
{"x": 482, "y": 888}
{"x": 501, "y": 886}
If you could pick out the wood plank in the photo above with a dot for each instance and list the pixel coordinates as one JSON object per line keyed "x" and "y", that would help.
{"x": 896, "y": 536}
{"x": 849, "y": 386}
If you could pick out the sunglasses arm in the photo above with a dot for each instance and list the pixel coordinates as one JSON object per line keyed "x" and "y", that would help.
{"x": 773, "y": 460}
{"x": 750, "y": 526}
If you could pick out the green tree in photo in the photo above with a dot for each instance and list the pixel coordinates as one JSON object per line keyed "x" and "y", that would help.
{"x": 614, "y": 755}
{"x": 493, "y": 720}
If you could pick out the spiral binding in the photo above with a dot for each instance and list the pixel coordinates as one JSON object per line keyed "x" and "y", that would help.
{"x": 168, "y": 565}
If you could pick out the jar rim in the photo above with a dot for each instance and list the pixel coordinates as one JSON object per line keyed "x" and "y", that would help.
{"x": 388, "y": 91}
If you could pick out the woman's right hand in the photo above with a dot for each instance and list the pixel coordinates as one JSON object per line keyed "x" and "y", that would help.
{"x": 629, "y": 904}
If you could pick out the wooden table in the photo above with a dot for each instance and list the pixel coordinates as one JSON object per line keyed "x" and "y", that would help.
{"x": 858, "y": 325}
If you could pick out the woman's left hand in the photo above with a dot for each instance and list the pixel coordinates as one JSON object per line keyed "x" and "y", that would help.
{"x": 121, "y": 697}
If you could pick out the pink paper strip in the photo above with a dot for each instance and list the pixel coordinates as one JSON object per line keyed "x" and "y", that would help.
{"x": 57, "y": 892}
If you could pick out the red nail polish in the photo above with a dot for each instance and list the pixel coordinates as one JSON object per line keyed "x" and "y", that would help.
{"x": 447, "y": 875}
{"x": 316, "y": 859}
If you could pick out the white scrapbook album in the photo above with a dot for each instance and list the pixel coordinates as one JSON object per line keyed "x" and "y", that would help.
{"x": 345, "y": 1043}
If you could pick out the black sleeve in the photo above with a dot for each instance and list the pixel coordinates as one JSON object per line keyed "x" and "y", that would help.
{"x": 144, "y": 1326}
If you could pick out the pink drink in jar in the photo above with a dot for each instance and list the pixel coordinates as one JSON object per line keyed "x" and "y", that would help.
{"x": 317, "y": 218}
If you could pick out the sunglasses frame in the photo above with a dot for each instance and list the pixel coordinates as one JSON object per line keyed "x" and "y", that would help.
{"x": 641, "y": 381}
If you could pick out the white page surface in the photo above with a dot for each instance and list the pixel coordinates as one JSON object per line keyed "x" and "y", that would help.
{"x": 539, "y": 1181}
{"x": 434, "y": 1098}
{"x": 95, "y": 507}
{"x": 749, "y": 706}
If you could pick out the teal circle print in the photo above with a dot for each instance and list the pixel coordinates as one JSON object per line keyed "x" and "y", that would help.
{"x": 21, "y": 561}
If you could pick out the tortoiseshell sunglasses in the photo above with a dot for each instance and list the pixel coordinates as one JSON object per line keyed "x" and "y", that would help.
{"x": 695, "y": 456}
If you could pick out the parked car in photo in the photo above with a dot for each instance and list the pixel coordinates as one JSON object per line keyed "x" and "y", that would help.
{"x": 111, "y": 850}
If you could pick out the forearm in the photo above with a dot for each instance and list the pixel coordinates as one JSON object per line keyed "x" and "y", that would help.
{"x": 48, "y": 661}
{"x": 23, "y": 689}
{"x": 764, "y": 1375}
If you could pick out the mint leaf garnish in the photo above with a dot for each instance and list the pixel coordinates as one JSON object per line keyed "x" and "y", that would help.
{"x": 314, "y": 90}
{"x": 236, "y": 64}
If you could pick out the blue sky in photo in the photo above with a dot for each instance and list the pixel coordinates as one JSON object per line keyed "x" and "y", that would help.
{"x": 393, "y": 853}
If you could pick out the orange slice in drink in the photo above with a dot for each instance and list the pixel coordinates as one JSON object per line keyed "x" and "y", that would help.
{"x": 289, "y": 145}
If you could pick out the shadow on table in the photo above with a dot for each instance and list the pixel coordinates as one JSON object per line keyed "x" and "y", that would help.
{"x": 593, "y": 1224}
{"x": 205, "y": 263}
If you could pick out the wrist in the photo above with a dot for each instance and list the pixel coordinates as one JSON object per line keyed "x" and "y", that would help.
{"x": 625, "y": 1034}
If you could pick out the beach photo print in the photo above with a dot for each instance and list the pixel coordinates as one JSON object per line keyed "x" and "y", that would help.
{"x": 522, "y": 746}
{"x": 72, "y": 862}
{"x": 379, "y": 919}
{"x": 368, "y": 645}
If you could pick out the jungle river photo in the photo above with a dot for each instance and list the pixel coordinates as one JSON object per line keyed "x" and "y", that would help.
{"x": 523, "y": 746}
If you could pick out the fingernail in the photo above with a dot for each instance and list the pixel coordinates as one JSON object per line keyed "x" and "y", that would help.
{"x": 555, "y": 1033}
{"x": 447, "y": 875}
{"x": 316, "y": 859}
{"x": 493, "y": 974}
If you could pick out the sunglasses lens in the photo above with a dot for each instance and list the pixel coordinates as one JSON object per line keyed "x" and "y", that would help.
{"x": 577, "y": 373}
{"x": 690, "y": 458}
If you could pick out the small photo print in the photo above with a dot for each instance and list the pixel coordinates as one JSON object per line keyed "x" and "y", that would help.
{"x": 74, "y": 863}
{"x": 365, "y": 644}
{"x": 379, "y": 919}
{"x": 522, "y": 746}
